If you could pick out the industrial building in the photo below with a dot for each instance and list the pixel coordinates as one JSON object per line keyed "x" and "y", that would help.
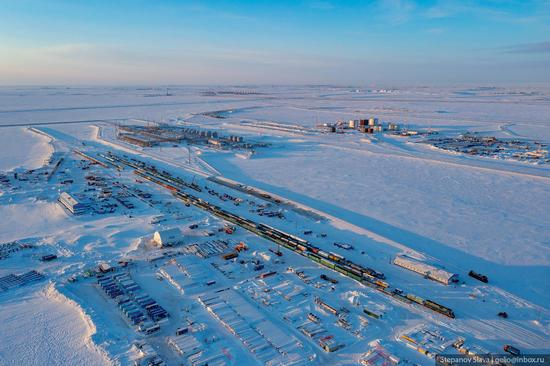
{"x": 327, "y": 127}
{"x": 430, "y": 272}
{"x": 159, "y": 134}
{"x": 215, "y": 142}
{"x": 167, "y": 238}
{"x": 370, "y": 125}
{"x": 71, "y": 204}
{"x": 136, "y": 140}
{"x": 393, "y": 127}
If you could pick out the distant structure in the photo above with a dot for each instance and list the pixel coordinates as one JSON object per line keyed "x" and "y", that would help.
{"x": 71, "y": 204}
{"x": 104, "y": 267}
{"x": 424, "y": 269}
{"x": 327, "y": 127}
{"x": 364, "y": 125}
{"x": 160, "y": 134}
{"x": 136, "y": 140}
{"x": 167, "y": 238}
{"x": 215, "y": 142}
{"x": 393, "y": 127}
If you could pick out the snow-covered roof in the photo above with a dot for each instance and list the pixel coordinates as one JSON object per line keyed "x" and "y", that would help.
{"x": 168, "y": 236}
{"x": 68, "y": 198}
{"x": 425, "y": 269}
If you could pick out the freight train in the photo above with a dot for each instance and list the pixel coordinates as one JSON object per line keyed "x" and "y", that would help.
{"x": 334, "y": 261}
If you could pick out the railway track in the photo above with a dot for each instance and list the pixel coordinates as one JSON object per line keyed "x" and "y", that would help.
{"x": 365, "y": 275}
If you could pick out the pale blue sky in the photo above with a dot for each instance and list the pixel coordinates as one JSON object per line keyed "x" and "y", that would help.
{"x": 291, "y": 42}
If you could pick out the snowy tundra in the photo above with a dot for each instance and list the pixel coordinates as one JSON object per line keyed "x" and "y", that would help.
{"x": 383, "y": 194}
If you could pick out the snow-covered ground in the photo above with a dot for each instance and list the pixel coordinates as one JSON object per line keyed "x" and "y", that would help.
{"x": 433, "y": 199}
{"x": 23, "y": 148}
{"x": 40, "y": 218}
{"x": 41, "y": 326}
{"x": 384, "y": 194}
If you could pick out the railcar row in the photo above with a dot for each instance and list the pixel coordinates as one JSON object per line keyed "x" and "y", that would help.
{"x": 336, "y": 262}
{"x": 90, "y": 158}
{"x": 333, "y": 261}
{"x": 150, "y": 169}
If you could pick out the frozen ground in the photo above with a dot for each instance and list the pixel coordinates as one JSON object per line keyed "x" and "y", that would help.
{"x": 23, "y": 148}
{"x": 388, "y": 193}
{"x": 41, "y": 326}
{"x": 41, "y": 218}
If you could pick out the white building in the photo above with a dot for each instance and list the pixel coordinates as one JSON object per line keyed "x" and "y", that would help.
{"x": 105, "y": 267}
{"x": 167, "y": 238}
{"x": 424, "y": 269}
{"x": 215, "y": 142}
{"x": 71, "y": 204}
{"x": 353, "y": 123}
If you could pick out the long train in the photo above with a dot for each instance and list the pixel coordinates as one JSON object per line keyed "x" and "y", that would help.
{"x": 333, "y": 261}
{"x": 336, "y": 262}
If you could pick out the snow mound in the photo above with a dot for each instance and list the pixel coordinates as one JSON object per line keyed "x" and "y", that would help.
{"x": 61, "y": 331}
{"x": 40, "y": 218}
{"x": 23, "y": 148}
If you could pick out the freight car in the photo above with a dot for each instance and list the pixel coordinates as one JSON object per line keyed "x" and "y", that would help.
{"x": 478, "y": 276}
{"x": 439, "y": 308}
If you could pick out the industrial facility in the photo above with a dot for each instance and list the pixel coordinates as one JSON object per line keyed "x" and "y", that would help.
{"x": 493, "y": 147}
{"x": 364, "y": 125}
{"x": 214, "y": 271}
{"x": 159, "y": 134}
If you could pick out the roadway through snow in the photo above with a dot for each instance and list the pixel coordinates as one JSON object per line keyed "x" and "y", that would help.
{"x": 458, "y": 160}
{"x": 56, "y": 123}
{"x": 119, "y": 106}
{"x": 420, "y": 152}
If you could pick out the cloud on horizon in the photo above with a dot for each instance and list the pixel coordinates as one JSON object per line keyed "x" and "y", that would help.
{"x": 536, "y": 47}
